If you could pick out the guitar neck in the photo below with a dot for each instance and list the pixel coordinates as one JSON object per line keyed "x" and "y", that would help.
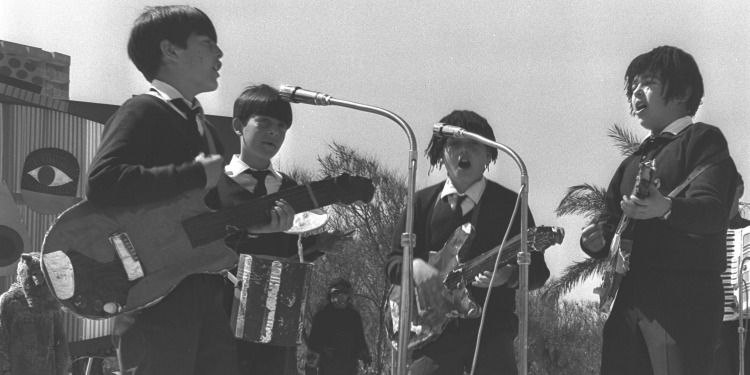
{"x": 213, "y": 226}
{"x": 640, "y": 190}
{"x": 486, "y": 261}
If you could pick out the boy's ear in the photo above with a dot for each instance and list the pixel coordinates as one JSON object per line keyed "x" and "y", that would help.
{"x": 686, "y": 95}
{"x": 168, "y": 50}
{"x": 237, "y": 125}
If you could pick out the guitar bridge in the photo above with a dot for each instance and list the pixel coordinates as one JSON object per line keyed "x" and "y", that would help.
{"x": 125, "y": 250}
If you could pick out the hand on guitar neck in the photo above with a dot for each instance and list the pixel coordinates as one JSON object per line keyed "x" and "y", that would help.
{"x": 502, "y": 277}
{"x": 423, "y": 271}
{"x": 282, "y": 218}
{"x": 654, "y": 204}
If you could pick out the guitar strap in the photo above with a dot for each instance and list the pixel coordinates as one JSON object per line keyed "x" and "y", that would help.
{"x": 716, "y": 159}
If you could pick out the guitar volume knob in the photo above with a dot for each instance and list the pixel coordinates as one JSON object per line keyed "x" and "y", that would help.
{"x": 111, "y": 307}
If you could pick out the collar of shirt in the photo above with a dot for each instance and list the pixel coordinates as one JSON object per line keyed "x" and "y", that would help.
{"x": 474, "y": 193}
{"x": 676, "y": 126}
{"x": 235, "y": 170}
{"x": 167, "y": 92}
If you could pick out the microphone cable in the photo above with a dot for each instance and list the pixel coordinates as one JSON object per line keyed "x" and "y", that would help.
{"x": 492, "y": 279}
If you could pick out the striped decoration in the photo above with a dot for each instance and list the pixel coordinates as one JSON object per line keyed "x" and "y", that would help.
{"x": 24, "y": 129}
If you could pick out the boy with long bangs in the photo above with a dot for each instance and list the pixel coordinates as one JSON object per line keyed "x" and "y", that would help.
{"x": 158, "y": 146}
{"x": 669, "y": 307}
{"x": 467, "y": 196}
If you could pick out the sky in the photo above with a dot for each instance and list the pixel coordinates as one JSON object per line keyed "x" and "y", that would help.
{"x": 547, "y": 75}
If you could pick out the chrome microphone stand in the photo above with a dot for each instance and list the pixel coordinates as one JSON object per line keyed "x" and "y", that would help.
{"x": 741, "y": 330}
{"x": 298, "y": 95}
{"x": 524, "y": 257}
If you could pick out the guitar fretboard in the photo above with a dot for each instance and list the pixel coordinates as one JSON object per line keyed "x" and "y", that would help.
{"x": 212, "y": 226}
{"x": 538, "y": 239}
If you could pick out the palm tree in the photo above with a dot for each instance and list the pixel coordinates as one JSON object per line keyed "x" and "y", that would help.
{"x": 588, "y": 200}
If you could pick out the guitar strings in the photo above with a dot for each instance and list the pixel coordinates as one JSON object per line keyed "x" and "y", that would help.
{"x": 214, "y": 225}
{"x": 211, "y": 226}
{"x": 479, "y": 264}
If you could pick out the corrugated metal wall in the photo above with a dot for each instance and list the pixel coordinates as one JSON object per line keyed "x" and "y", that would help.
{"x": 24, "y": 129}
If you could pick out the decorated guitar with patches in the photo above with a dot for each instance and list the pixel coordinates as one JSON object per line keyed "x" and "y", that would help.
{"x": 441, "y": 299}
{"x": 618, "y": 261}
{"x": 105, "y": 261}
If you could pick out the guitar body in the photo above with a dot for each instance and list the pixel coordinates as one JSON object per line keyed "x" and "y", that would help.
{"x": 433, "y": 305}
{"x": 618, "y": 262}
{"x": 101, "y": 262}
{"x": 441, "y": 299}
{"x": 614, "y": 272}
{"x": 98, "y": 276}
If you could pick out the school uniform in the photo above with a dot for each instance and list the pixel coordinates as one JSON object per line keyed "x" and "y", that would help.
{"x": 488, "y": 207}
{"x": 669, "y": 307}
{"x": 147, "y": 155}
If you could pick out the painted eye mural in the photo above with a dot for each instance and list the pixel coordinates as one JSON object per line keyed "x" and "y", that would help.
{"x": 49, "y": 180}
{"x": 14, "y": 239}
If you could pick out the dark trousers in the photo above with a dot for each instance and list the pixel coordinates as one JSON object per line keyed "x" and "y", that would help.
{"x": 264, "y": 359}
{"x": 727, "y": 359}
{"x": 452, "y": 353}
{"x": 187, "y": 332}
{"x": 346, "y": 364}
{"x": 663, "y": 323}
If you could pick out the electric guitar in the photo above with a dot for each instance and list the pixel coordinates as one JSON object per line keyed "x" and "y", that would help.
{"x": 618, "y": 262}
{"x": 441, "y": 299}
{"x": 101, "y": 262}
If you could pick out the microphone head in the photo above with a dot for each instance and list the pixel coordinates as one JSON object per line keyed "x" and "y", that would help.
{"x": 445, "y": 130}
{"x": 286, "y": 92}
{"x": 296, "y": 94}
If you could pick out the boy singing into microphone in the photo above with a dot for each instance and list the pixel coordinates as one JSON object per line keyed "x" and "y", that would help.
{"x": 467, "y": 196}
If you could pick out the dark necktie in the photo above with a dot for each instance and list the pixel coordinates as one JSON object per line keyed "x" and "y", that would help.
{"x": 260, "y": 177}
{"x": 458, "y": 211}
{"x": 190, "y": 113}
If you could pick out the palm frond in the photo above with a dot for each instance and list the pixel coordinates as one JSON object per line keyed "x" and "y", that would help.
{"x": 586, "y": 200}
{"x": 624, "y": 139}
{"x": 572, "y": 276}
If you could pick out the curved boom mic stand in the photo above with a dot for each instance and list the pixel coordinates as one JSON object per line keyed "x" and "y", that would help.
{"x": 298, "y": 95}
{"x": 741, "y": 329}
{"x": 524, "y": 257}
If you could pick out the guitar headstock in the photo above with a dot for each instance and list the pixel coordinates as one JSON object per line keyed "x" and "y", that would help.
{"x": 644, "y": 179}
{"x": 350, "y": 189}
{"x": 542, "y": 237}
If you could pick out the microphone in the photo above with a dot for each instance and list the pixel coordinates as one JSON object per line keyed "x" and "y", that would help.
{"x": 296, "y": 94}
{"x": 445, "y": 130}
